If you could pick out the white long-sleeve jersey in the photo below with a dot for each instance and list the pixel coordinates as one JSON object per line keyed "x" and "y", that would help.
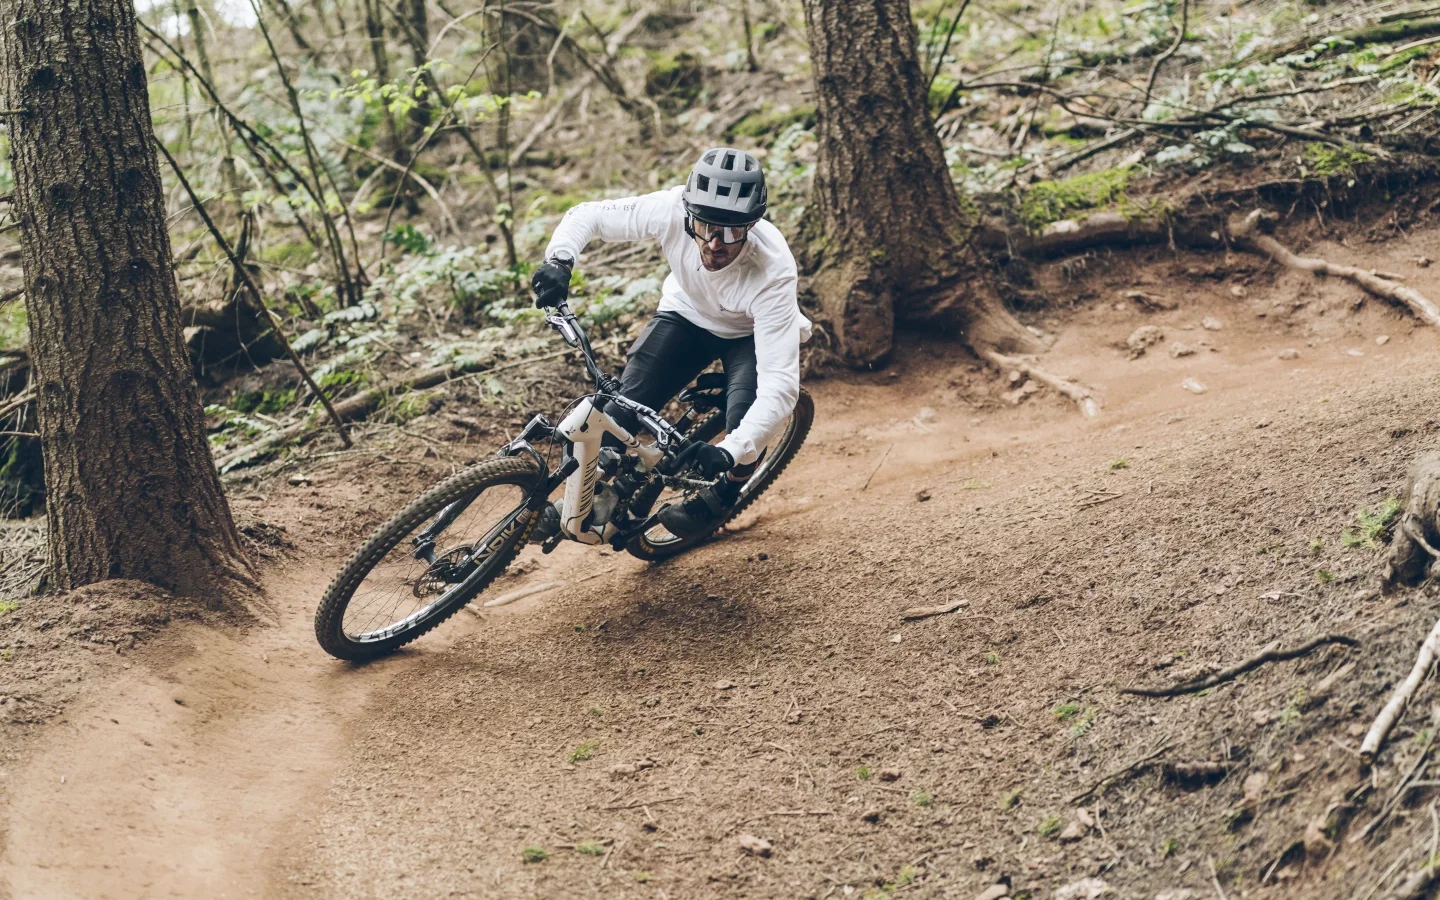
{"x": 754, "y": 294}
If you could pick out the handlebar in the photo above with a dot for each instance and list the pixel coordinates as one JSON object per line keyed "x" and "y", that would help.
{"x": 672, "y": 442}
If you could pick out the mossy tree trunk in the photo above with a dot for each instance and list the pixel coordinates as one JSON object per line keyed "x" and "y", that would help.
{"x": 887, "y": 237}
{"x": 132, "y": 491}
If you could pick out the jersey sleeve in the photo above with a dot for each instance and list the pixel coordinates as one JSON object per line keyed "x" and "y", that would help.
{"x": 778, "y": 326}
{"x": 625, "y": 219}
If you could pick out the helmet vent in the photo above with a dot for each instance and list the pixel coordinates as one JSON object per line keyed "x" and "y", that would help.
{"x": 746, "y": 189}
{"x": 749, "y": 163}
{"x": 722, "y": 190}
{"x": 710, "y": 157}
{"x": 728, "y": 162}
{"x": 702, "y": 183}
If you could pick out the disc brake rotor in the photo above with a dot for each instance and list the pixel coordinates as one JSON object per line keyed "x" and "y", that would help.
{"x": 442, "y": 573}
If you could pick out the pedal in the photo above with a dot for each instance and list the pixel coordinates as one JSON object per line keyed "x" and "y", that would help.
{"x": 552, "y": 542}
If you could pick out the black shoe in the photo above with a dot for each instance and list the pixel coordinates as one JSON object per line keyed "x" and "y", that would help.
{"x": 548, "y": 526}
{"x": 700, "y": 514}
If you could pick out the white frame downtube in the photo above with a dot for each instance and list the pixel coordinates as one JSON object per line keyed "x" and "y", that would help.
{"x": 585, "y": 427}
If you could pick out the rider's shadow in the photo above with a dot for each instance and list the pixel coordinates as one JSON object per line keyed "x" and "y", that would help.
{"x": 667, "y": 613}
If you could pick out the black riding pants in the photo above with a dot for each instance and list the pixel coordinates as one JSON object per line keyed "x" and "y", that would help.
{"x": 668, "y": 355}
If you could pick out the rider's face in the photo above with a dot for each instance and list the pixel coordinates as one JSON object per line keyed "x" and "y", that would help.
{"x": 716, "y": 255}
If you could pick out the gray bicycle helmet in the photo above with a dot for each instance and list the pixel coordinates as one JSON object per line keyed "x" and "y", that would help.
{"x": 726, "y": 187}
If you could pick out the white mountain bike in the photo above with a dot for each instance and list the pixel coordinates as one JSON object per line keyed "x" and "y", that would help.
{"x": 451, "y": 543}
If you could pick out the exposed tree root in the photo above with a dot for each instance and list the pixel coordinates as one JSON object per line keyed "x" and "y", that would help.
{"x": 1412, "y": 550}
{"x": 1271, "y": 653}
{"x": 1400, "y": 698}
{"x": 1085, "y": 398}
{"x": 1247, "y": 234}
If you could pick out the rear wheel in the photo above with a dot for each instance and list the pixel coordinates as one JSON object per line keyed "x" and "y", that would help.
{"x": 658, "y": 543}
{"x": 409, "y": 577}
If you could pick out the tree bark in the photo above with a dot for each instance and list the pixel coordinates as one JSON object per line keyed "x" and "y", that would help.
{"x": 887, "y": 237}
{"x": 132, "y": 490}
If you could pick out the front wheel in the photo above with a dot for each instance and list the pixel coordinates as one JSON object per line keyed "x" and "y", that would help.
{"x": 429, "y": 560}
{"x": 658, "y": 543}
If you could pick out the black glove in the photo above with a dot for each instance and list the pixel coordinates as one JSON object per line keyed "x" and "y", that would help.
{"x": 710, "y": 460}
{"x": 551, "y": 284}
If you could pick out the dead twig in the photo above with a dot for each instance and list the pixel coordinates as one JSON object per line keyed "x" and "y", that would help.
{"x": 1271, "y": 653}
{"x": 1247, "y": 235}
{"x": 1122, "y": 772}
{"x": 1400, "y": 697}
{"x": 640, "y": 803}
{"x": 884, "y": 456}
{"x": 924, "y": 612}
{"x": 1215, "y": 878}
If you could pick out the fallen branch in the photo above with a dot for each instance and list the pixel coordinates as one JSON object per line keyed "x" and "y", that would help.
{"x": 1400, "y": 697}
{"x": 1247, "y": 235}
{"x": 1082, "y": 395}
{"x": 365, "y": 402}
{"x": 1122, "y": 772}
{"x": 916, "y": 613}
{"x": 1271, "y": 653}
{"x": 244, "y": 275}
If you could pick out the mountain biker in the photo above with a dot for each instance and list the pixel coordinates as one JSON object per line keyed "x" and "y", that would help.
{"x": 730, "y": 295}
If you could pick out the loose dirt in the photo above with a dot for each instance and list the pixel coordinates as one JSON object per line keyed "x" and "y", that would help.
{"x": 633, "y": 724}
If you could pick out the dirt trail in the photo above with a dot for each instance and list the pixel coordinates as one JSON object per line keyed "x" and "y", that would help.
{"x": 767, "y": 676}
{"x": 181, "y": 777}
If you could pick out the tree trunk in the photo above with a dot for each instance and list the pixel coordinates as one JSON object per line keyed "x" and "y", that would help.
{"x": 132, "y": 490}
{"x": 887, "y": 237}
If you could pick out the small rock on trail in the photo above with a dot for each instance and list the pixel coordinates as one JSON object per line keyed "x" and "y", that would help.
{"x": 1084, "y": 889}
{"x": 1179, "y": 349}
{"x": 1289, "y": 353}
{"x": 1142, "y": 338}
{"x": 994, "y": 892}
{"x": 1194, "y": 386}
{"x": 1210, "y": 323}
{"x": 756, "y": 846}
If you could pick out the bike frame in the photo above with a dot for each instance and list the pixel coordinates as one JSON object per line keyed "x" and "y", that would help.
{"x": 585, "y": 428}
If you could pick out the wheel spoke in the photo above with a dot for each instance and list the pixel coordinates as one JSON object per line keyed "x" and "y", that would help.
{"x": 403, "y": 589}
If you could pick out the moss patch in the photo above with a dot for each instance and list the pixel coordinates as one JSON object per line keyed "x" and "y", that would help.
{"x": 674, "y": 82}
{"x": 768, "y": 122}
{"x": 1050, "y": 201}
{"x": 1328, "y": 159}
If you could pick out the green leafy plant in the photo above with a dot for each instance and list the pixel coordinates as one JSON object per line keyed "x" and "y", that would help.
{"x": 582, "y": 752}
{"x": 1370, "y": 527}
{"x": 1325, "y": 576}
{"x": 534, "y": 854}
{"x": 992, "y": 658}
{"x": 1050, "y": 826}
{"x": 1121, "y": 463}
{"x": 1083, "y": 723}
{"x": 1065, "y": 711}
{"x": 590, "y": 848}
{"x": 922, "y": 799}
{"x": 8, "y": 606}
{"x": 409, "y": 238}
{"x": 863, "y": 773}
